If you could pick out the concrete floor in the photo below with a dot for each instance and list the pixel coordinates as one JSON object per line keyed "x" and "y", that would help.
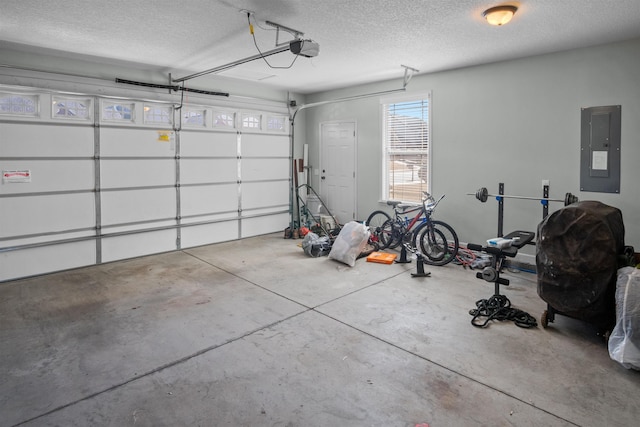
{"x": 254, "y": 333}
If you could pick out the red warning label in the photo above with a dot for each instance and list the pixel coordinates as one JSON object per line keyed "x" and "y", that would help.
{"x": 16, "y": 176}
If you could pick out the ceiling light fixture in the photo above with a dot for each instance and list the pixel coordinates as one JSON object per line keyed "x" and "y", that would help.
{"x": 499, "y": 15}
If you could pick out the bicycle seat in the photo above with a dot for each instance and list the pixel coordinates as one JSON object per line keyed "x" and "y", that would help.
{"x": 403, "y": 205}
{"x": 408, "y": 206}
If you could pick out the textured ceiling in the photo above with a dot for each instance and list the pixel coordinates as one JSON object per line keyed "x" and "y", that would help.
{"x": 360, "y": 40}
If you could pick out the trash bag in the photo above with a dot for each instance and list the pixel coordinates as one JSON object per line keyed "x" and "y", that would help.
{"x": 350, "y": 243}
{"x": 624, "y": 341}
{"x": 577, "y": 259}
{"x": 316, "y": 246}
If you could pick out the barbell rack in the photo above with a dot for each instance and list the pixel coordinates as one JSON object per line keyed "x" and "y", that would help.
{"x": 483, "y": 195}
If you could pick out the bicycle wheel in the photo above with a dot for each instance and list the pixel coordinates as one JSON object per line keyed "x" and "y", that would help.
{"x": 391, "y": 234}
{"x": 438, "y": 242}
{"x": 375, "y": 222}
{"x": 433, "y": 245}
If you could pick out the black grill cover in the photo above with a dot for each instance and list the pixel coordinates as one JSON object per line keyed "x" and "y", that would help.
{"x": 577, "y": 259}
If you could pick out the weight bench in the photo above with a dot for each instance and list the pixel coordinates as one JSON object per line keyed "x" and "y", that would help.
{"x": 498, "y": 306}
{"x": 499, "y": 255}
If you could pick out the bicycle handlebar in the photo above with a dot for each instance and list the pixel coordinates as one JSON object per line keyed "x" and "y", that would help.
{"x": 433, "y": 205}
{"x": 404, "y": 205}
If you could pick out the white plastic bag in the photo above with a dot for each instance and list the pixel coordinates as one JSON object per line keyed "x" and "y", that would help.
{"x": 624, "y": 342}
{"x": 350, "y": 243}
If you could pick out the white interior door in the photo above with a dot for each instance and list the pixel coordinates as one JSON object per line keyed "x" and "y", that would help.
{"x": 337, "y": 169}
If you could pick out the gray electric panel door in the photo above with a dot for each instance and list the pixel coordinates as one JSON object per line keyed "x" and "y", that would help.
{"x": 600, "y": 149}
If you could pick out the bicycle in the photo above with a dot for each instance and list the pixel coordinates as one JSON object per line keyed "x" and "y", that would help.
{"x": 438, "y": 241}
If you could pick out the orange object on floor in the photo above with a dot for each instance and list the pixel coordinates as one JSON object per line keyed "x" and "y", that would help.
{"x": 381, "y": 257}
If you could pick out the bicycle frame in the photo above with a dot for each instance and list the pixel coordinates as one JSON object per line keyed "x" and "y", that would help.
{"x": 423, "y": 216}
{"x": 403, "y": 227}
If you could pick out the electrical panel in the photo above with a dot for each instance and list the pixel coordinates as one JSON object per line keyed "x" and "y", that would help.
{"x": 600, "y": 149}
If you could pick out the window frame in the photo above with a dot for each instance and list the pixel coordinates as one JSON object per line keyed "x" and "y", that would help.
{"x": 385, "y": 185}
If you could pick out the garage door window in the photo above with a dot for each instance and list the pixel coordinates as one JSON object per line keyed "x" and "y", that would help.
{"x": 157, "y": 114}
{"x": 18, "y": 105}
{"x": 119, "y": 112}
{"x": 194, "y": 117}
{"x": 276, "y": 124}
{"x": 251, "y": 121}
{"x": 69, "y": 108}
{"x": 224, "y": 119}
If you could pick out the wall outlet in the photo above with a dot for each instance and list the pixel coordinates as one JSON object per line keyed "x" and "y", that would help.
{"x": 545, "y": 182}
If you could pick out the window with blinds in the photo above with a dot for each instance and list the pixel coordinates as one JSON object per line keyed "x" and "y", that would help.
{"x": 406, "y": 149}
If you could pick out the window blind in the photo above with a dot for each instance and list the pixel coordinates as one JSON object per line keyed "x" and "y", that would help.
{"x": 406, "y": 149}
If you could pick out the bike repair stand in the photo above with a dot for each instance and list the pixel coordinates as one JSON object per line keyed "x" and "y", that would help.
{"x": 419, "y": 262}
{"x": 420, "y": 267}
{"x": 403, "y": 256}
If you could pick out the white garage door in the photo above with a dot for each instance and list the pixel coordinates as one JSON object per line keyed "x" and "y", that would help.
{"x": 88, "y": 180}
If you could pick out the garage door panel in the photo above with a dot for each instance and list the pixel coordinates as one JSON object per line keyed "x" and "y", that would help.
{"x": 261, "y": 194}
{"x": 208, "y": 199}
{"x": 210, "y": 144}
{"x": 206, "y": 234}
{"x": 61, "y": 175}
{"x": 139, "y": 244}
{"x": 85, "y": 234}
{"x": 264, "y": 224}
{"x": 126, "y": 142}
{"x": 265, "y": 145}
{"x": 137, "y": 173}
{"x": 265, "y": 169}
{"x": 38, "y": 140}
{"x": 197, "y": 171}
{"x": 120, "y": 207}
{"x": 46, "y": 259}
{"x": 27, "y": 215}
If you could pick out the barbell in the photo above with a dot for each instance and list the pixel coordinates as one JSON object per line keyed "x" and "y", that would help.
{"x": 483, "y": 195}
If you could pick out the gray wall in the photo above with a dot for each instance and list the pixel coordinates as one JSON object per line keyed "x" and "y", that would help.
{"x": 516, "y": 122}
